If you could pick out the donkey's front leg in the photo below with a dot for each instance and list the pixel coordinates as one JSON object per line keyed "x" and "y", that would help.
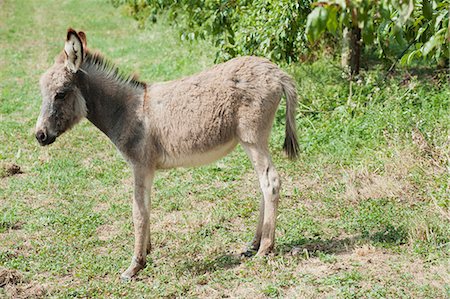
{"x": 141, "y": 220}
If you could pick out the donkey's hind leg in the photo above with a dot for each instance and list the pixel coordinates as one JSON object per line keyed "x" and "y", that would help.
{"x": 270, "y": 186}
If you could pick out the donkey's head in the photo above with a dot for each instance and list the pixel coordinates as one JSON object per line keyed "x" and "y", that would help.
{"x": 62, "y": 102}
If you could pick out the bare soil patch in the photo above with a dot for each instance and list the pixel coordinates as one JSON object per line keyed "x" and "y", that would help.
{"x": 9, "y": 169}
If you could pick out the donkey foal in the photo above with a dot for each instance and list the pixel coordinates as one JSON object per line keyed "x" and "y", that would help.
{"x": 187, "y": 122}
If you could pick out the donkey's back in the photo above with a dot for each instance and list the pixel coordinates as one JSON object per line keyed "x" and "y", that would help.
{"x": 201, "y": 118}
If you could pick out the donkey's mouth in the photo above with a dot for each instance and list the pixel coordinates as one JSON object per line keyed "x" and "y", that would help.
{"x": 47, "y": 141}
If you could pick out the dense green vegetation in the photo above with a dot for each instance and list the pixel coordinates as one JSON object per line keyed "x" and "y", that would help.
{"x": 364, "y": 210}
{"x": 419, "y": 29}
{"x": 391, "y": 29}
{"x": 274, "y": 29}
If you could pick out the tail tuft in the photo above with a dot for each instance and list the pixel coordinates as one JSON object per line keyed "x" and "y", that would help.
{"x": 290, "y": 145}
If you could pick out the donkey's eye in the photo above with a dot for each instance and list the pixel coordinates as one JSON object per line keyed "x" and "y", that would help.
{"x": 60, "y": 96}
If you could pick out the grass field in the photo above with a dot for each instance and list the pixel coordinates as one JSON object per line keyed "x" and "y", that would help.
{"x": 364, "y": 210}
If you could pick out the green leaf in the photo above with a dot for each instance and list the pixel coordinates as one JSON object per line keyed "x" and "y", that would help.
{"x": 399, "y": 35}
{"x": 368, "y": 33}
{"x": 409, "y": 57}
{"x": 427, "y": 9}
{"x": 420, "y": 31}
{"x": 385, "y": 13}
{"x": 430, "y": 45}
{"x": 400, "y": 39}
{"x": 332, "y": 22}
{"x": 404, "y": 59}
{"x": 316, "y": 22}
{"x": 412, "y": 55}
{"x": 439, "y": 19}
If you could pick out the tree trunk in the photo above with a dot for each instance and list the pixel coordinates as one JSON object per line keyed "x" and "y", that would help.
{"x": 355, "y": 50}
{"x": 351, "y": 50}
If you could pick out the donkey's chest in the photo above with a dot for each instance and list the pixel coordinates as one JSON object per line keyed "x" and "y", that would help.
{"x": 188, "y": 158}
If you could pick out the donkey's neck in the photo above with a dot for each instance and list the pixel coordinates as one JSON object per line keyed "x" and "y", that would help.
{"x": 114, "y": 105}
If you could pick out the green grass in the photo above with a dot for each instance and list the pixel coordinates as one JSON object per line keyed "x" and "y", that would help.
{"x": 364, "y": 210}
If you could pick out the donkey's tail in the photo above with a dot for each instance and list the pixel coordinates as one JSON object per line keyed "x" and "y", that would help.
{"x": 290, "y": 145}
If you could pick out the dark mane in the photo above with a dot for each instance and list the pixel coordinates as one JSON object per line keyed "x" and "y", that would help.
{"x": 101, "y": 63}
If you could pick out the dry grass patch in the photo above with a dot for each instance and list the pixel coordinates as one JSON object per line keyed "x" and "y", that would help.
{"x": 16, "y": 287}
{"x": 374, "y": 267}
{"x": 10, "y": 277}
{"x": 26, "y": 291}
{"x": 392, "y": 181}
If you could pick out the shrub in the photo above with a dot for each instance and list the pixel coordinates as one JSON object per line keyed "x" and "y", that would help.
{"x": 274, "y": 29}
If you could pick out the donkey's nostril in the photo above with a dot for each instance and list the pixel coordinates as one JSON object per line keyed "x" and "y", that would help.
{"x": 41, "y": 136}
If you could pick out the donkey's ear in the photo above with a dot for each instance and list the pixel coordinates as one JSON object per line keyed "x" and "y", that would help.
{"x": 74, "y": 51}
{"x": 83, "y": 38}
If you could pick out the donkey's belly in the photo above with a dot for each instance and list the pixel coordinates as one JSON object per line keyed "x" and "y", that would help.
{"x": 197, "y": 159}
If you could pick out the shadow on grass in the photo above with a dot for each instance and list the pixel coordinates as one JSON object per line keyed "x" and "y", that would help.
{"x": 311, "y": 246}
{"x": 386, "y": 236}
{"x": 206, "y": 265}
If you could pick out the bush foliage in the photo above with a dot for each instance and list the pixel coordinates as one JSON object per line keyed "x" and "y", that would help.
{"x": 284, "y": 30}
{"x": 416, "y": 28}
{"x": 273, "y": 28}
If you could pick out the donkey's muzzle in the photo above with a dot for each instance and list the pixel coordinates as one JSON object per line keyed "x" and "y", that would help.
{"x": 43, "y": 138}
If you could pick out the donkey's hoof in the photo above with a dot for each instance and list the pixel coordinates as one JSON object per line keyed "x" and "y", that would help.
{"x": 132, "y": 270}
{"x": 264, "y": 252}
{"x": 129, "y": 274}
{"x": 261, "y": 254}
{"x": 124, "y": 277}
